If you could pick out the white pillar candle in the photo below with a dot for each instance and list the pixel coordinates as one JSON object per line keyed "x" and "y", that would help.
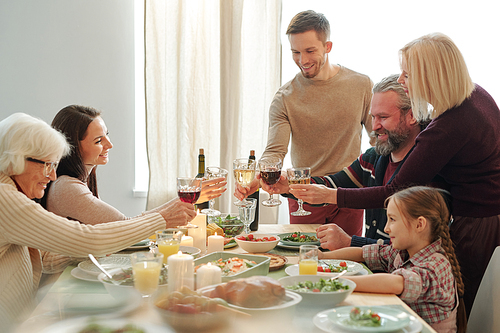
{"x": 187, "y": 241}
{"x": 215, "y": 243}
{"x": 208, "y": 275}
{"x": 199, "y": 234}
{"x": 180, "y": 271}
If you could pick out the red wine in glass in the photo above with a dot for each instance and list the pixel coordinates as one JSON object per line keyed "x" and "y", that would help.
{"x": 189, "y": 196}
{"x": 270, "y": 177}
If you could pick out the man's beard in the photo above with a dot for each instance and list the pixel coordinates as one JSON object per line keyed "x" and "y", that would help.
{"x": 393, "y": 142}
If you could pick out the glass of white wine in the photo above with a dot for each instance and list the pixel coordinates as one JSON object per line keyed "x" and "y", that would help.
{"x": 212, "y": 173}
{"x": 244, "y": 172}
{"x": 299, "y": 176}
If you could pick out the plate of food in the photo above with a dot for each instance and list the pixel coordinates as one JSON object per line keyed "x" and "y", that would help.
{"x": 331, "y": 267}
{"x": 105, "y": 325}
{"x": 236, "y": 265}
{"x": 322, "y": 321}
{"x": 369, "y": 318}
{"x": 298, "y": 238}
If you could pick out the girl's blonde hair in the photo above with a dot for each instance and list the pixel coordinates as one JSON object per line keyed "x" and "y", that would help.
{"x": 434, "y": 205}
{"x": 437, "y": 75}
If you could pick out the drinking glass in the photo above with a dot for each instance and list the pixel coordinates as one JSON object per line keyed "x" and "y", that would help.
{"x": 146, "y": 267}
{"x": 189, "y": 190}
{"x": 299, "y": 176}
{"x": 308, "y": 260}
{"x": 168, "y": 242}
{"x": 244, "y": 172}
{"x": 270, "y": 172}
{"x": 211, "y": 173}
{"x": 247, "y": 212}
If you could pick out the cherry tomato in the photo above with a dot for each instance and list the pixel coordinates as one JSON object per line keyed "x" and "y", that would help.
{"x": 302, "y": 236}
{"x": 316, "y": 290}
{"x": 265, "y": 238}
{"x": 320, "y": 268}
{"x": 241, "y": 238}
{"x": 376, "y": 316}
{"x": 294, "y": 235}
{"x": 250, "y": 237}
{"x": 328, "y": 270}
{"x": 343, "y": 264}
{"x": 272, "y": 238}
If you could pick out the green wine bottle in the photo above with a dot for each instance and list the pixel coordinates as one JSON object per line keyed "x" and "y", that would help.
{"x": 201, "y": 174}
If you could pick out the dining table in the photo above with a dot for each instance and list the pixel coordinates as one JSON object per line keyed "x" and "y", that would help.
{"x": 66, "y": 302}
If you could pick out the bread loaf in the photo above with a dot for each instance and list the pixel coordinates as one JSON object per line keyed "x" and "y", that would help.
{"x": 252, "y": 292}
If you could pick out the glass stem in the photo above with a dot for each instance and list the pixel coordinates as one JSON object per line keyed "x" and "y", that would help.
{"x": 300, "y": 205}
{"x": 211, "y": 204}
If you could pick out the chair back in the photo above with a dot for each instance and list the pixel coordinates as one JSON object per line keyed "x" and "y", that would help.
{"x": 485, "y": 313}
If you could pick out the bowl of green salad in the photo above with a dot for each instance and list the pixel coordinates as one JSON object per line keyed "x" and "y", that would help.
{"x": 230, "y": 224}
{"x": 317, "y": 290}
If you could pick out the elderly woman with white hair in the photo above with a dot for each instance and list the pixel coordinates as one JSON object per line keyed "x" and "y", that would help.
{"x": 29, "y": 154}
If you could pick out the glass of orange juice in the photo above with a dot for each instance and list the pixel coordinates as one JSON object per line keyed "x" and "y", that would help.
{"x": 168, "y": 242}
{"x": 146, "y": 267}
{"x": 308, "y": 260}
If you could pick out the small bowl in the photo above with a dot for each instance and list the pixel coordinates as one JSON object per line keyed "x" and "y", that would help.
{"x": 231, "y": 227}
{"x": 256, "y": 247}
{"x": 324, "y": 299}
{"x": 120, "y": 292}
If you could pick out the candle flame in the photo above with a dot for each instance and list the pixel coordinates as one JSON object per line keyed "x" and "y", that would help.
{"x": 209, "y": 264}
{"x": 179, "y": 253}
{"x": 215, "y": 234}
{"x": 198, "y": 212}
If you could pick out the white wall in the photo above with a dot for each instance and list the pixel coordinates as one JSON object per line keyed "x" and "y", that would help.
{"x": 58, "y": 52}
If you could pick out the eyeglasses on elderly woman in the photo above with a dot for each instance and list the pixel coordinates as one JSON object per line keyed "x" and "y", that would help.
{"x": 48, "y": 166}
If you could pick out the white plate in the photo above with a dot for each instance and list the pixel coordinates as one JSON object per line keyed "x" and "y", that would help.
{"x": 77, "y": 324}
{"x": 82, "y": 275}
{"x": 97, "y": 304}
{"x": 353, "y": 268}
{"x": 109, "y": 263}
{"x": 322, "y": 322}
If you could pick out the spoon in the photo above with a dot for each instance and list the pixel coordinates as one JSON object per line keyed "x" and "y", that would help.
{"x": 94, "y": 260}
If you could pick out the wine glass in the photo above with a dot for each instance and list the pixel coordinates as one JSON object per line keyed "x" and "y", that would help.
{"x": 211, "y": 173}
{"x": 146, "y": 268}
{"x": 244, "y": 172}
{"x": 299, "y": 176}
{"x": 247, "y": 212}
{"x": 189, "y": 190}
{"x": 270, "y": 172}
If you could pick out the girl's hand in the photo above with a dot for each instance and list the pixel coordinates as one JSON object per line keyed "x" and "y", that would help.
{"x": 212, "y": 188}
{"x": 178, "y": 213}
{"x": 314, "y": 193}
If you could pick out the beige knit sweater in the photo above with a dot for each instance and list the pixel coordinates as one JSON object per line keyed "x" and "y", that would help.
{"x": 26, "y": 228}
{"x": 324, "y": 118}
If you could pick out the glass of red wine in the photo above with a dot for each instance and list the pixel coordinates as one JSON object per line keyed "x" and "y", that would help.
{"x": 189, "y": 190}
{"x": 270, "y": 172}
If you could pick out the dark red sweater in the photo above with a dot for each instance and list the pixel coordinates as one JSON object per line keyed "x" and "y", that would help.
{"x": 463, "y": 147}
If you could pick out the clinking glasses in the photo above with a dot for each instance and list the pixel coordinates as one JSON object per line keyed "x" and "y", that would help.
{"x": 48, "y": 166}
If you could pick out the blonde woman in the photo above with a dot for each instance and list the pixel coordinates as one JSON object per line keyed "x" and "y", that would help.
{"x": 461, "y": 145}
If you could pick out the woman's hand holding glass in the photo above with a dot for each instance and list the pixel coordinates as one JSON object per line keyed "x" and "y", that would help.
{"x": 314, "y": 193}
{"x": 177, "y": 213}
{"x": 212, "y": 189}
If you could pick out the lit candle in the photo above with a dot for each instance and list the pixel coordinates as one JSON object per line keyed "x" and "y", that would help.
{"x": 180, "y": 272}
{"x": 215, "y": 243}
{"x": 187, "y": 241}
{"x": 199, "y": 234}
{"x": 208, "y": 275}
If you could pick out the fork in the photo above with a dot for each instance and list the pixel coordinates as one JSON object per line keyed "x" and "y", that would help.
{"x": 336, "y": 277}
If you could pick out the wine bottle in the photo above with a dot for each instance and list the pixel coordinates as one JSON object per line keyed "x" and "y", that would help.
{"x": 201, "y": 174}
{"x": 255, "y": 224}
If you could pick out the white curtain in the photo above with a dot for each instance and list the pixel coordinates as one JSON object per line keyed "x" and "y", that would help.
{"x": 212, "y": 68}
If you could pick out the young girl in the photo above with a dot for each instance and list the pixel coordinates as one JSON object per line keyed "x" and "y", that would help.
{"x": 420, "y": 262}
